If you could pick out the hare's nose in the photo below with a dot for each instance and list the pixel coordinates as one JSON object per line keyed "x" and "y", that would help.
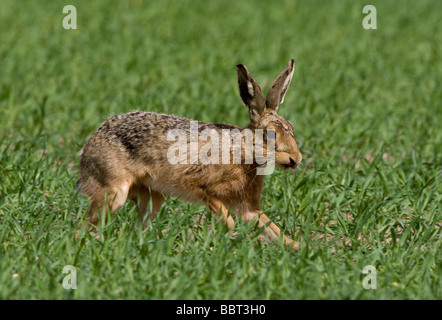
{"x": 292, "y": 163}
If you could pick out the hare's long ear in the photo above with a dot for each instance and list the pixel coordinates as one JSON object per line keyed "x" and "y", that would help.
{"x": 279, "y": 87}
{"x": 251, "y": 94}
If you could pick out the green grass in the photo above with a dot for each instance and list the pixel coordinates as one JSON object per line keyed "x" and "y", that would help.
{"x": 366, "y": 105}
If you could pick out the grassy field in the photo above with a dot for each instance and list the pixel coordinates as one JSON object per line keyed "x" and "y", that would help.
{"x": 366, "y": 105}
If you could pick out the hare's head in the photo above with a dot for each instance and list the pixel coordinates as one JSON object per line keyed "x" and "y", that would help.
{"x": 264, "y": 113}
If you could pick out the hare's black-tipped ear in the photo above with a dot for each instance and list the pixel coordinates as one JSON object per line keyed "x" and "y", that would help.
{"x": 251, "y": 94}
{"x": 279, "y": 87}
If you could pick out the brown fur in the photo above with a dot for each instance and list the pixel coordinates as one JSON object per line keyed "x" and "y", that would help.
{"x": 126, "y": 158}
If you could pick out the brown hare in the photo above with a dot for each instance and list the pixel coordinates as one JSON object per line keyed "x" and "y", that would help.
{"x": 129, "y": 157}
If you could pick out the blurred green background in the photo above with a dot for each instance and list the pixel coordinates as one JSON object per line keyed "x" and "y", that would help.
{"x": 366, "y": 105}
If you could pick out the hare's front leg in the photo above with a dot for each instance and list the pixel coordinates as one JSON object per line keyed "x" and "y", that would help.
{"x": 142, "y": 196}
{"x": 218, "y": 208}
{"x": 271, "y": 230}
{"x": 109, "y": 200}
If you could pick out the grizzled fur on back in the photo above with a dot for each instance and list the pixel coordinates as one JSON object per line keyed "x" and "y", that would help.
{"x": 138, "y": 128}
{"x": 127, "y": 158}
{"x": 138, "y": 144}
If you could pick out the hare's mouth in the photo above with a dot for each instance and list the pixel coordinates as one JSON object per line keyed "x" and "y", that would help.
{"x": 291, "y": 164}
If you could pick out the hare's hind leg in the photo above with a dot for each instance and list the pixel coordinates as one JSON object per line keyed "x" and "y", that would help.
{"x": 271, "y": 230}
